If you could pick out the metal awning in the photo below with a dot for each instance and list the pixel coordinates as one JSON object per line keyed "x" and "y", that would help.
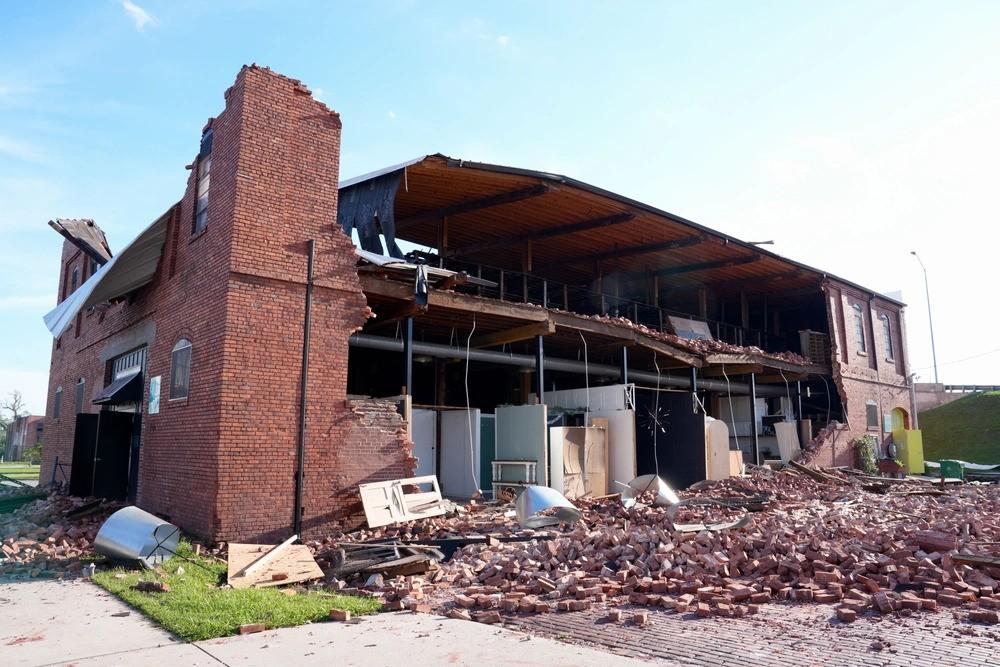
{"x": 127, "y": 271}
{"x": 126, "y": 389}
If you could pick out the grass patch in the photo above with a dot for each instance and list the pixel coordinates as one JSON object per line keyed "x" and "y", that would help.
{"x": 20, "y": 471}
{"x": 196, "y": 608}
{"x": 967, "y": 429}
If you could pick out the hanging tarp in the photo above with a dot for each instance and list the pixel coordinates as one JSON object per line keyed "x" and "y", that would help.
{"x": 127, "y": 271}
{"x": 369, "y": 208}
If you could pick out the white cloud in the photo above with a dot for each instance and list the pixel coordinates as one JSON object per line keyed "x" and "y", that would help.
{"x": 391, "y": 115}
{"x": 503, "y": 40}
{"x": 477, "y": 29}
{"x": 19, "y": 149}
{"x": 140, "y": 17}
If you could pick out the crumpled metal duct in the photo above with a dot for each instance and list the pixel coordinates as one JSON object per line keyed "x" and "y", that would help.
{"x": 535, "y": 499}
{"x": 134, "y": 535}
{"x": 665, "y": 496}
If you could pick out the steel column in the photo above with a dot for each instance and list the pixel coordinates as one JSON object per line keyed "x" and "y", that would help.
{"x": 755, "y": 444}
{"x": 408, "y": 354}
{"x": 540, "y": 368}
{"x": 624, "y": 368}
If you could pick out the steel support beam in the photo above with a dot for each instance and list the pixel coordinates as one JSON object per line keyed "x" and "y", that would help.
{"x": 540, "y": 368}
{"x": 408, "y": 355}
{"x": 624, "y": 369}
{"x": 754, "y": 442}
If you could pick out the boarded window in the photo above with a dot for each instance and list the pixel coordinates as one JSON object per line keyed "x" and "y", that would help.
{"x": 859, "y": 328}
{"x": 180, "y": 369}
{"x": 74, "y": 279}
{"x": 57, "y": 403}
{"x": 81, "y": 386}
{"x": 887, "y": 332}
{"x": 204, "y": 180}
{"x": 871, "y": 415}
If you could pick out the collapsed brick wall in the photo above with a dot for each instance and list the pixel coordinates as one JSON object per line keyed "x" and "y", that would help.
{"x": 861, "y": 376}
{"x": 221, "y": 462}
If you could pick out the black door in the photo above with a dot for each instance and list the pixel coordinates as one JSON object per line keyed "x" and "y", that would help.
{"x": 133, "y": 458}
{"x": 111, "y": 463}
{"x": 680, "y": 437}
{"x": 81, "y": 476}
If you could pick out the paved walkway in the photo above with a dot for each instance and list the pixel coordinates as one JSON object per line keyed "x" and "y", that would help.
{"x": 77, "y": 623}
{"x": 783, "y": 635}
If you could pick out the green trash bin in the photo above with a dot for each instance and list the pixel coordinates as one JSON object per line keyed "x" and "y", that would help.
{"x": 952, "y": 468}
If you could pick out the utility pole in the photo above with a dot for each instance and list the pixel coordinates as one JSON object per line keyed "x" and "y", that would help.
{"x": 930, "y": 320}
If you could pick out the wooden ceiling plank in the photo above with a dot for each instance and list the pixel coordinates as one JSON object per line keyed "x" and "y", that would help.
{"x": 475, "y": 205}
{"x": 524, "y": 332}
{"x": 544, "y": 233}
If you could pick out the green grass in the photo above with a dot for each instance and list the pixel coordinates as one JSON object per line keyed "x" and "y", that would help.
{"x": 21, "y": 471}
{"x": 196, "y": 608}
{"x": 967, "y": 429}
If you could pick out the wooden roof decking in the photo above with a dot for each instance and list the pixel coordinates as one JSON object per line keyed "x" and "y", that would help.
{"x": 450, "y": 316}
{"x": 565, "y": 229}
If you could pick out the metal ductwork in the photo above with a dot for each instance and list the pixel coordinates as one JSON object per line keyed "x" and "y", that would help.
{"x": 554, "y": 364}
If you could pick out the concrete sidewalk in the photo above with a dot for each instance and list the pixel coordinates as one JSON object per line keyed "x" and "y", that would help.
{"x": 75, "y": 622}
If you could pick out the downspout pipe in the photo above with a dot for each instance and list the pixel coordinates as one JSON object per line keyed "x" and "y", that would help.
{"x": 438, "y": 350}
{"x": 303, "y": 384}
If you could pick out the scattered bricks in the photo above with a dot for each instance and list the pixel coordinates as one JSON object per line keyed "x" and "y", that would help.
{"x": 987, "y": 616}
{"x": 641, "y": 618}
{"x": 614, "y": 616}
{"x": 804, "y": 594}
{"x": 542, "y": 607}
{"x": 465, "y": 601}
{"x": 340, "y": 615}
{"x": 759, "y": 598}
{"x": 279, "y": 576}
{"x": 394, "y": 605}
{"x": 703, "y": 610}
{"x": 547, "y": 585}
{"x": 251, "y": 628}
{"x": 422, "y": 608}
{"x": 846, "y": 614}
{"x": 928, "y": 604}
{"x": 870, "y": 584}
{"x": 827, "y": 578}
{"x": 753, "y": 608}
{"x": 825, "y": 598}
{"x": 908, "y": 603}
{"x": 459, "y": 614}
{"x": 883, "y": 602}
{"x": 949, "y": 599}
{"x": 562, "y": 605}
{"x": 989, "y": 603}
{"x": 152, "y": 587}
{"x": 934, "y": 540}
{"x": 488, "y": 617}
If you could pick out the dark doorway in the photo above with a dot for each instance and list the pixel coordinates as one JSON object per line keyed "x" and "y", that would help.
{"x": 81, "y": 477}
{"x": 111, "y": 460}
{"x": 680, "y": 437}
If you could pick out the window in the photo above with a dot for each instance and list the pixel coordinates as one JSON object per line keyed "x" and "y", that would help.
{"x": 859, "y": 328}
{"x": 57, "y": 403}
{"x": 871, "y": 416}
{"x": 74, "y": 279}
{"x": 81, "y": 385}
{"x": 204, "y": 173}
{"x": 887, "y": 333}
{"x": 180, "y": 369}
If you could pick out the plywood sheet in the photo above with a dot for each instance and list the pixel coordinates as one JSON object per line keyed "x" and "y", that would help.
{"x": 388, "y": 502}
{"x": 620, "y": 444}
{"x": 522, "y": 435}
{"x": 295, "y": 560}
{"x": 584, "y": 457}
{"x": 717, "y": 460}
{"x": 459, "y": 456}
{"x": 788, "y": 440}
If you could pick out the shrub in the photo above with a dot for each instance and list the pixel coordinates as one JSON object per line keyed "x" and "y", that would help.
{"x": 866, "y": 452}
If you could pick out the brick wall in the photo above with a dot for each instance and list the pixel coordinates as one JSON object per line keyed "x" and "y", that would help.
{"x": 863, "y": 376}
{"x": 221, "y": 462}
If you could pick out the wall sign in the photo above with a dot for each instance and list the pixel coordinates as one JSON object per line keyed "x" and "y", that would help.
{"x": 154, "y": 395}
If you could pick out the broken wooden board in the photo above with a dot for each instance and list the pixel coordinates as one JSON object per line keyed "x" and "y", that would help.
{"x": 388, "y": 502}
{"x": 294, "y": 560}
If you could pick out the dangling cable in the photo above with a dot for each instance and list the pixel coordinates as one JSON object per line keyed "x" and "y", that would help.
{"x": 732, "y": 413}
{"x": 656, "y": 417}
{"x": 586, "y": 370}
{"x": 788, "y": 395}
{"x": 468, "y": 407}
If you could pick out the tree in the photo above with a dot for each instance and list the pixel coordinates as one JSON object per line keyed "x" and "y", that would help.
{"x": 14, "y": 405}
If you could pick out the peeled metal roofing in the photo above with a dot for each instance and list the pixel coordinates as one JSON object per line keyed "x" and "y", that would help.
{"x": 127, "y": 271}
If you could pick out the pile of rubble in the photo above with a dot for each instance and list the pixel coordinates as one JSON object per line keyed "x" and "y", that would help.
{"x": 830, "y": 540}
{"x": 48, "y": 537}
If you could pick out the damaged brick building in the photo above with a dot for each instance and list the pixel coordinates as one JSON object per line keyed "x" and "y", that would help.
{"x": 244, "y": 337}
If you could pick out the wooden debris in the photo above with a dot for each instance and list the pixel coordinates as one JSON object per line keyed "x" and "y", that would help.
{"x": 294, "y": 561}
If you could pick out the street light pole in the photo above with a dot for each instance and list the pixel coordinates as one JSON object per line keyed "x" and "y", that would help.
{"x": 930, "y": 320}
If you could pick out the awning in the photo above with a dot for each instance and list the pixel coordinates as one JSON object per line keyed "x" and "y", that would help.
{"x": 126, "y": 389}
{"x": 129, "y": 270}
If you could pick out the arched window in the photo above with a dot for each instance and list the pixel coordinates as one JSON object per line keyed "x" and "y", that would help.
{"x": 57, "y": 403}
{"x": 859, "y": 328}
{"x": 204, "y": 179}
{"x": 887, "y": 333}
{"x": 180, "y": 369}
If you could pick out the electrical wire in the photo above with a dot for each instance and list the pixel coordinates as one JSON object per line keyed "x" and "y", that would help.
{"x": 788, "y": 394}
{"x": 586, "y": 370}
{"x": 732, "y": 413}
{"x": 656, "y": 417}
{"x": 468, "y": 407}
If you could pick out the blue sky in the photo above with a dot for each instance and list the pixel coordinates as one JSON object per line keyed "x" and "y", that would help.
{"x": 848, "y": 132}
